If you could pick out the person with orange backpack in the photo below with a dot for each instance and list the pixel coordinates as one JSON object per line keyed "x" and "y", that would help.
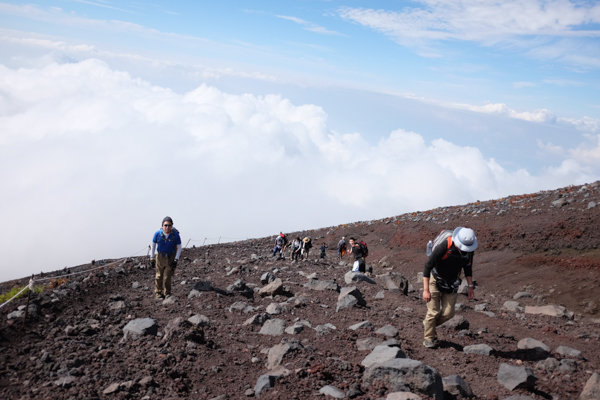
{"x": 449, "y": 254}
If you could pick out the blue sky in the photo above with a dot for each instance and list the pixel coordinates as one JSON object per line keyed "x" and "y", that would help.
{"x": 212, "y": 112}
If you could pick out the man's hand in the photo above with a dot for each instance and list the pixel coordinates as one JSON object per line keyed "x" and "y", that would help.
{"x": 174, "y": 265}
{"x": 471, "y": 294}
{"x": 426, "y": 295}
{"x": 153, "y": 263}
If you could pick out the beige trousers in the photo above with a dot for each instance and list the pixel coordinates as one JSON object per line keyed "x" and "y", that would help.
{"x": 164, "y": 273}
{"x": 439, "y": 309}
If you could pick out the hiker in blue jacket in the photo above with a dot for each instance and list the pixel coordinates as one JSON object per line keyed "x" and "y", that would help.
{"x": 441, "y": 278}
{"x": 168, "y": 244}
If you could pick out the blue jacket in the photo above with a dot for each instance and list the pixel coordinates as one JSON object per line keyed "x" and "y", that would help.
{"x": 164, "y": 244}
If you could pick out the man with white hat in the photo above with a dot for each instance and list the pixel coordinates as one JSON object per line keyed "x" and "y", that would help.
{"x": 441, "y": 279}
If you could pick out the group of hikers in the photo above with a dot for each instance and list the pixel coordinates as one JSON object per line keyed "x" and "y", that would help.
{"x": 449, "y": 254}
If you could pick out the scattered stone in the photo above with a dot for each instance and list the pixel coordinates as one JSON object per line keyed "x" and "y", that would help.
{"x": 272, "y": 289}
{"x": 513, "y": 377}
{"x": 170, "y": 300}
{"x": 113, "y": 388}
{"x": 591, "y": 204}
{"x": 332, "y": 391}
{"x": 140, "y": 327}
{"x": 202, "y": 287}
{"x": 199, "y": 320}
{"x": 457, "y": 386}
{"x": 548, "y": 365}
{"x": 367, "y": 343}
{"x": 568, "y": 351}
{"x": 403, "y": 375}
{"x": 481, "y": 307}
{"x": 403, "y": 396}
{"x": 277, "y": 352}
{"x": 357, "y": 277}
{"x": 65, "y": 381}
{"x": 567, "y": 366}
{"x": 294, "y": 329}
{"x": 388, "y": 331}
{"x": 482, "y": 349}
{"x": 276, "y": 308}
{"x": 380, "y": 295}
{"x": 550, "y": 310}
{"x": 519, "y": 295}
{"x": 488, "y": 313}
{"x": 532, "y": 344}
{"x": 381, "y": 354}
{"x": 238, "y": 306}
{"x": 273, "y": 327}
{"x": 512, "y": 306}
{"x": 267, "y": 278}
{"x": 15, "y": 314}
{"x": 591, "y": 390}
{"x": 323, "y": 330}
{"x": 361, "y": 325}
{"x": 257, "y": 319}
{"x": 457, "y": 323}
{"x": 135, "y": 285}
{"x": 315, "y": 284}
{"x": 517, "y": 397}
{"x": 264, "y": 383}
{"x": 349, "y": 297}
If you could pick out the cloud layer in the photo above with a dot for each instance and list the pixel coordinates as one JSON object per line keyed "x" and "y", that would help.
{"x": 91, "y": 160}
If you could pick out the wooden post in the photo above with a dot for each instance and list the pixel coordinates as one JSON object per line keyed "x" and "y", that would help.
{"x": 27, "y": 307}
{"x": 188, "y": 242}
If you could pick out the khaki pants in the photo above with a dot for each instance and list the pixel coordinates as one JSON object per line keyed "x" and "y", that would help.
{"x": 439, "y": 309}
{"x": 163, "y": 273}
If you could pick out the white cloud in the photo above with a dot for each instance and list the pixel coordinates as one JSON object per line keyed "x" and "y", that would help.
{"x": 588, "y": 153}
{"x": 479, "y": 20}
{"x": 97, "y": 157}
{"x": 550, "y": 147}
{"x": 309, "y": 26}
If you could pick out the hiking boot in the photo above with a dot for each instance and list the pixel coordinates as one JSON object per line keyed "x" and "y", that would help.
{"x": 429, "y": 344}
{"x": 159, "y": 296}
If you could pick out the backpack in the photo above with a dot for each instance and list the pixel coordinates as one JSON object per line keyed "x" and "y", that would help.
{"x": 280, "y": 241}
{"x": 443, "y": 239}
{"x": 364, "y": 248}
{"x": 342, "y": 245}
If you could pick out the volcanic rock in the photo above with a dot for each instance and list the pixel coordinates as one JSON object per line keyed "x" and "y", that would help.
{"x": 381, "y": 354}
{"x": 513, "y": 377}
{"x": 456, "y": 386}
{"x": 273, "y": 327}
{"x": 403, "y": 375}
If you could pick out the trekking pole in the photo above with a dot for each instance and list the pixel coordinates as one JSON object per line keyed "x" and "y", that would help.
{"x": 27, "y": 307}
{"x": 148, "y": 256}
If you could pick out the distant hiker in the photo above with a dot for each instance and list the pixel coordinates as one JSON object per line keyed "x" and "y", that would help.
{"x": 342, "y": 247}
{"x": 323, "y": 249}
{"x": 280, "y": 245}
{"x": 169, "y": 249}
{"x": 360, "y": 251}
{"x": 306, "y": 246}
{"x": 296, "y": 248}
{"x": 451, "y": 253}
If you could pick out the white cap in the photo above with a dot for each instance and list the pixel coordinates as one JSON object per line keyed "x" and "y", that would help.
{"x": 464, "y": 239}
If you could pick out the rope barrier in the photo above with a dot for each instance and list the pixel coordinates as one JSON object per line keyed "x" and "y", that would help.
{"x": 31, "y": 281}
{"x": 11, "y": 299}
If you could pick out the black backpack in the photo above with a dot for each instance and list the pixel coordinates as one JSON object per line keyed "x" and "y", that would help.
{"x": 364, "y": 248}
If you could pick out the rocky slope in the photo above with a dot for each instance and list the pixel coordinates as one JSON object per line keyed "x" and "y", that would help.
{"x": 282, "y": 329}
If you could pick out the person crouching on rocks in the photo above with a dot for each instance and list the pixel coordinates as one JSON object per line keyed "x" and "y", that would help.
{"x": 168, "y": 244}
{"x": 358, "y": 251}
{"x": 441, "y": 278}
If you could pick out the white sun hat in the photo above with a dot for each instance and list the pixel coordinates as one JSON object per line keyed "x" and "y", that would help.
{"x": 464, "y": 239}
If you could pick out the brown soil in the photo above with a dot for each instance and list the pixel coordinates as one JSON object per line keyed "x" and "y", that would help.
{"x": 551, "y": 252}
